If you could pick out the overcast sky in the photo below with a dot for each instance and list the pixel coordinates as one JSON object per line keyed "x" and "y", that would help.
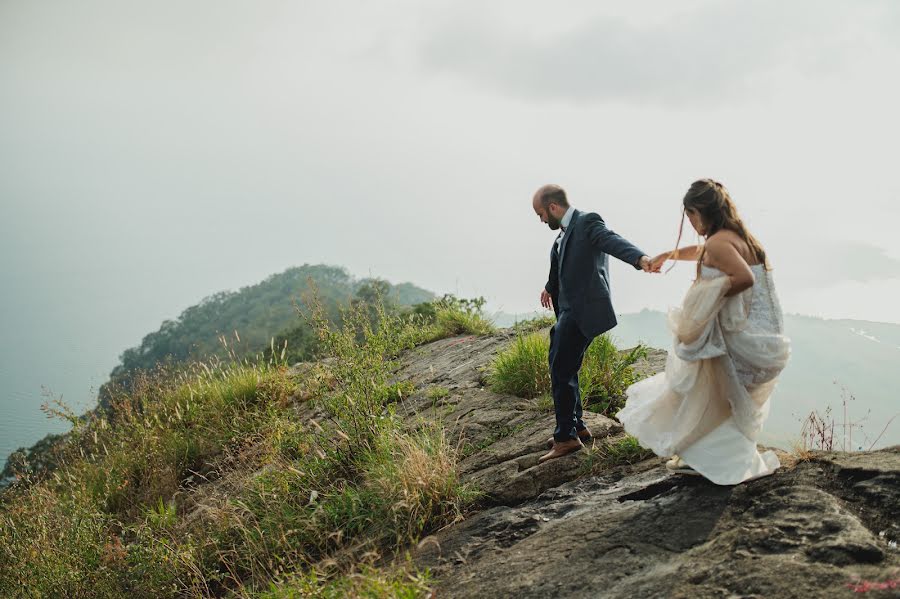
{"x": 153, "y": 153}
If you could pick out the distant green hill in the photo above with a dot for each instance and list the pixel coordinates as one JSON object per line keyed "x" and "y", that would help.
{"x": 257, "y": 314}
{"x": 249, "y": 320}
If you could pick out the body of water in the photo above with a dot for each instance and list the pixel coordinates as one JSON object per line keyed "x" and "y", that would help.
{"x": 74, "y": 375}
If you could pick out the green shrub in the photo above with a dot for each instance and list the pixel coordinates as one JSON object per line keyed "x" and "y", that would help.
{"x": 450, "y": 316}
{"x": 534, "y": 324}
{"x": 453, "y": 322}
{"x": 605, "y": 375}
{"x": 523, "y": 370}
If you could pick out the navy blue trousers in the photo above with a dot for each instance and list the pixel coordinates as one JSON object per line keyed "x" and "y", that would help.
{"x": 567, "y": 347}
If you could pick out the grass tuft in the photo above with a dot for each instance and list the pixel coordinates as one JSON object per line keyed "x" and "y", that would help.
{"x": 401, "y": 582}
{"x": 450, "y": 316}
{"x": 620, "y": 451}
{"x": 523, "y": 370}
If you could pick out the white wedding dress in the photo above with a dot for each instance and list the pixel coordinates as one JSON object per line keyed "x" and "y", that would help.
{"x": 709, "y": 405}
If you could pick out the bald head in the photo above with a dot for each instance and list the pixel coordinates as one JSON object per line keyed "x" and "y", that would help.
{"x": 550, "y": 204}
{"x": 550, "y": 194}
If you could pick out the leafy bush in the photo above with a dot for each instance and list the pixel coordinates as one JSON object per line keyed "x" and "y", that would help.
{"x": 534, "y": 324}
{"x": 450, "y": 315}
{"x": 522, "y": 369}
{"x": 606, "y": 373}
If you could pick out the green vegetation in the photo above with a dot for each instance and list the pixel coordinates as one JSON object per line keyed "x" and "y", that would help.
{"x": 606, "y": 373}
{"x": 437, "y": 393}
{"x": 543, "y": 403}
{"x": 244, "y": 322}
{"x": 626, "y": 450}
{"x": 370, "y": 583}
{"x": 522, "y": 369}
{"x": 427, "y": 321}
{"x": 202, "y": 480}
{"x": 534, "y": 324}
{"x": 619, "y": 451}
{"x": 40, "y": 457}
{"x": 450, "y": 315}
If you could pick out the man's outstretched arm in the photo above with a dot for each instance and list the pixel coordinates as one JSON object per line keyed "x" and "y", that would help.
{"x": 614, "y": 244}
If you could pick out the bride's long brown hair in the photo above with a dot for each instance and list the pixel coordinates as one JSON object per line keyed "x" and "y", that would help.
{"x": 711, "y": 200}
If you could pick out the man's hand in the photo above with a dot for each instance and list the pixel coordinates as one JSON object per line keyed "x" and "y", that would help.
{"x": 546, "y": 300}
{"x": 645, "y": 264}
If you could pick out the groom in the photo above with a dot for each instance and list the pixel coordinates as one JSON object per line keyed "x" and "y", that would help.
{"x": 578, "y": 292}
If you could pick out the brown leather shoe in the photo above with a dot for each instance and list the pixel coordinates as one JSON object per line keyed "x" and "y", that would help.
{"x": 585, "y": 436}
{"x": 560, "y": 449}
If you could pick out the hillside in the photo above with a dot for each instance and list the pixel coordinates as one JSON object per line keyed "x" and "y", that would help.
{"x": 249, "y": 321}
{"x": 258, "y": 313}
{"x": 287, "y": 508}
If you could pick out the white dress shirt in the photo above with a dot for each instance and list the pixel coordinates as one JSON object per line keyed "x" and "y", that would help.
{"x": 564, "y": 223}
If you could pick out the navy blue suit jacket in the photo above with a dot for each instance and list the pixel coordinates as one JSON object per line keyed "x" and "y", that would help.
{"x": 579, "y": 272}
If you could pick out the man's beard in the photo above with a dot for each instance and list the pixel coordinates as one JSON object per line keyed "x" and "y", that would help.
{"x": 553, "y": 222}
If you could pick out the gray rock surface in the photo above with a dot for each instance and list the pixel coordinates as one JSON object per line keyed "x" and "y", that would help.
{"x": 569, "y": 528}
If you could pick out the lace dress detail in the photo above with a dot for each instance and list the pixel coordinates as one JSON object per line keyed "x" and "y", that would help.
{"x": 764, "y": 318}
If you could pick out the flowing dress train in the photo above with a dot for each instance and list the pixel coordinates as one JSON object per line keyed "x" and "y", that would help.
{"x": 709, "y": 405}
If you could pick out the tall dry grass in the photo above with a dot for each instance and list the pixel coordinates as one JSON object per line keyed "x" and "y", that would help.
{"x": 201, "y": 481}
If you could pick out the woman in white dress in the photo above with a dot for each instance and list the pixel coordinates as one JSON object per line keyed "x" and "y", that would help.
{"x": 708, "y": 407}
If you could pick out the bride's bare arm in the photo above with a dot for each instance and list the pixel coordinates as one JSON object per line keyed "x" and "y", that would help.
{"x": 722, "y": 254}
{"x": 691, "y": 252}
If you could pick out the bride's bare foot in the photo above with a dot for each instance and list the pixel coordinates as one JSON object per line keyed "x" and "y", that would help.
{"x": 679, "y": 466}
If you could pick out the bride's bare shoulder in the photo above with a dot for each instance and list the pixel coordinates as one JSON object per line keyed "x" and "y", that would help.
{"x": 726, "y": 238}
{"x": 724, "y": 243}
{"x": 718, "y": 242}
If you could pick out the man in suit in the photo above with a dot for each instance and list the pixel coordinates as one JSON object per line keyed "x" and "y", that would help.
{"x": 578, "y": 292}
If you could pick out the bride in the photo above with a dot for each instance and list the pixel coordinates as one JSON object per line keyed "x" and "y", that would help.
{"x": 708, "y": 407}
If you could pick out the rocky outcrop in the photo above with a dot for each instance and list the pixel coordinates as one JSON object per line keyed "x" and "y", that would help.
{"x": 567, "y": 528}
{"x": 808, "y": 531}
